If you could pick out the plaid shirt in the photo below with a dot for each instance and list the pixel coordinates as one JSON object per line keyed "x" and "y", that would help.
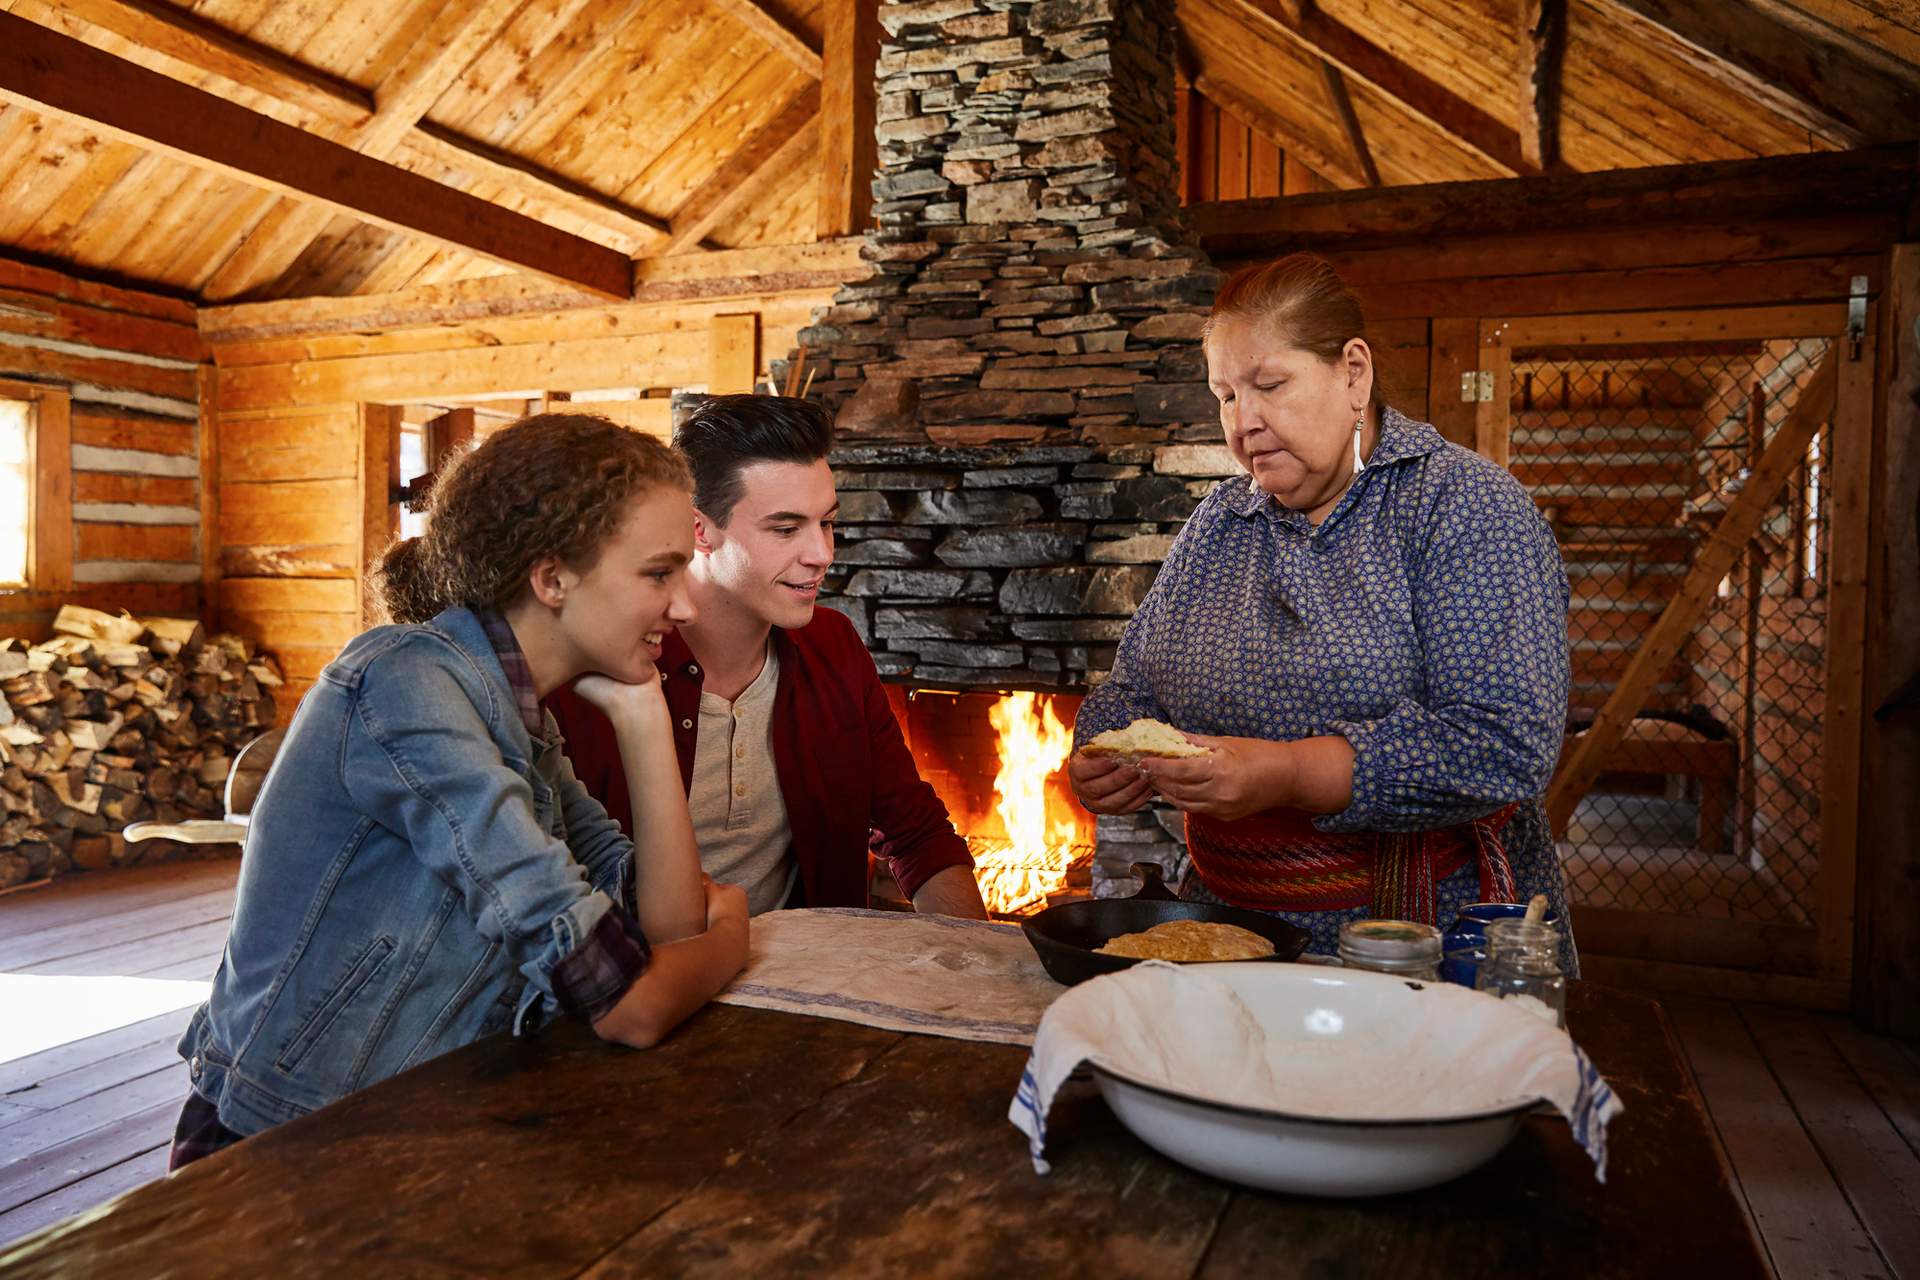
{"x": 587, "y": 984}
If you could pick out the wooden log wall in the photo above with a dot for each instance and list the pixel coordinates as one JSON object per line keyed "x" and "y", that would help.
{"x": 301, "y": 386}
{"x": 1222, "y": 157}
{"x": 129, "y": 365}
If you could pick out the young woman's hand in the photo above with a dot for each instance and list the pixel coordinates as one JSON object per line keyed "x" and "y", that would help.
{"x": 638, "y": 704}
{"x": 1236, "y": 778}
{"x": 1104, "y": 785}
{"x": 726, "y": 903}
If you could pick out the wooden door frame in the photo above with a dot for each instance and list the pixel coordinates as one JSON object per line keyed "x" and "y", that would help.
{"x": 1850, "y": 445}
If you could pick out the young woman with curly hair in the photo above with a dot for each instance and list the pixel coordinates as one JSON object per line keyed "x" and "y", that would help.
{"x": 422, "y": 869}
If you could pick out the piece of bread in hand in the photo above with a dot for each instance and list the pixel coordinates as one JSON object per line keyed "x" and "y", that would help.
{"x": 1141, "y": 739}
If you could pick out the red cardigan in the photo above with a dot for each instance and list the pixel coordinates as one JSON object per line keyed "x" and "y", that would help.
{"x": 845, "y": 772}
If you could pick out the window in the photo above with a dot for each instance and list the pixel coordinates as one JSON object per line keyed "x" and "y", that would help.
{"x": 413, "y": 465}
{"x": 36, "y": 488}
{"x": 16, "y": 491}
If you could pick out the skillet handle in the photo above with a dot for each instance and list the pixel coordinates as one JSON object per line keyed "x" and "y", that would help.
{"x": 1153, "y": 883}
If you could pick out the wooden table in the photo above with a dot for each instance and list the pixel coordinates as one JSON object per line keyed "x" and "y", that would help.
{"x": 757, "y": 1143}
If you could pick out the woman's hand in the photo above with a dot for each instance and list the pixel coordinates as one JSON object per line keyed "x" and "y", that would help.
{"x": 726, "y": 903}
{"x": 627, "y": 705}
{"x": 1104, "y": 785}
{"x": 1236, "y": 778}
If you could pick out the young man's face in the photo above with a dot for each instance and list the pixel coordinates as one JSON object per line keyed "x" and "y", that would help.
{"x": 777, "y": 543}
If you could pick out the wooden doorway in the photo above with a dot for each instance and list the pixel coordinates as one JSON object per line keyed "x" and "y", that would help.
{"x": 1706, "y": 473}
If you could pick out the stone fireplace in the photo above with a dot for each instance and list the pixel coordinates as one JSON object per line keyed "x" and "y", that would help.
{"x": 1020, "y": 388}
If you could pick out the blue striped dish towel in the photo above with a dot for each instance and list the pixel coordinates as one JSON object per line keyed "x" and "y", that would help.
{"x": 1190, "y": 1032}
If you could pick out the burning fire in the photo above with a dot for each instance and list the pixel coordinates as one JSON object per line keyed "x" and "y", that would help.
{"x": 1041, "y": 831}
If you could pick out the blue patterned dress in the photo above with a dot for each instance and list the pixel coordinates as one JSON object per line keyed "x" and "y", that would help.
{"x": 1425, "y": 620}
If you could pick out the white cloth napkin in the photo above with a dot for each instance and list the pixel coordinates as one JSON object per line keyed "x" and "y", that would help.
{"x": 937, "y": 975}
{"x": 1189, "y": 1031}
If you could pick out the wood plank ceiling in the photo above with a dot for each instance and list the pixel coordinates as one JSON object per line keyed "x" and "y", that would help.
{"x": 655, "y": 127}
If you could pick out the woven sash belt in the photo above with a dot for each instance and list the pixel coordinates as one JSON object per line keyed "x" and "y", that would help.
{"x": 1277, "y": 861}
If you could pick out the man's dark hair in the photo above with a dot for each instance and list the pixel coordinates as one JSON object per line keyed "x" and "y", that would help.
{"x": 727, "y": 433}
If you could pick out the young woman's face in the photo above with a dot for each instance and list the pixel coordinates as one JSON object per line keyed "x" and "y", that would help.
{"x": 617, "y": 613}
{"x": 1287, "y": 415}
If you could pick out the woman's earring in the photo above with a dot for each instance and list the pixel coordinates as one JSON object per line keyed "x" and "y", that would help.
{"x": 1359, "y": 425}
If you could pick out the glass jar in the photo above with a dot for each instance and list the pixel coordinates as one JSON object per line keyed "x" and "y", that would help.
{"x": 1402, "y": 947}
{"x": 1523, "y": 963}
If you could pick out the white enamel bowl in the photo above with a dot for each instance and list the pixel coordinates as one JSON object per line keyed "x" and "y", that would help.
{"x": 1383, "y": 1093}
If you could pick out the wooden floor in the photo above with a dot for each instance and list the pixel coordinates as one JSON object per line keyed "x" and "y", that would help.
{"x": 1820, "y": 1121}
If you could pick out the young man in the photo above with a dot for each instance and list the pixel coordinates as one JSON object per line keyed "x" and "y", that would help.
{"x": 793, "y": 761}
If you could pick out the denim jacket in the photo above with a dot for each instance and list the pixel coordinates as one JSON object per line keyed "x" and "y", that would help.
{"x": 416, "y": 866}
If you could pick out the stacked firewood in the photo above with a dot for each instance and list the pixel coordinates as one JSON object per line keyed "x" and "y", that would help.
{"x": 114, "y": 720}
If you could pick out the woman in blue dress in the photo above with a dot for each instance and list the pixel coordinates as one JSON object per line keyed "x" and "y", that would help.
{"x": 1368, "y": 632}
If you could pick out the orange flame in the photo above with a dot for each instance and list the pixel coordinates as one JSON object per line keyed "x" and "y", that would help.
{"x": 1040, "y": 834}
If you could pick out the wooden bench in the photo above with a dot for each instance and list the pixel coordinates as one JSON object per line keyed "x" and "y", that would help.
{"x": 1674, "y": 750}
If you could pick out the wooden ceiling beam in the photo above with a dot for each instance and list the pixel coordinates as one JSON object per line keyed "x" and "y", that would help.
{"x": 702, "y": 210}
{"x": 1278, "y": 130}
{"x": 1543, "y": 47}
{"x": 458, "y": 33}
{"x": 1350, "y": 121}
{"x": 46, "y": 72}
{"x": 185, "y": 36}
{"x": 1360, "y": 58}
{"x": 518, "y": 174}
{"x": 778, "y": 30}
{"x": 194, "y": 42}
{"x": 1787, "y": 53}
{"x": 848, "y": 153}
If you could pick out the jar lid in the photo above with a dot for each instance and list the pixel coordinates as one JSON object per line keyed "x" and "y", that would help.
{"x": 1390, "y": 940}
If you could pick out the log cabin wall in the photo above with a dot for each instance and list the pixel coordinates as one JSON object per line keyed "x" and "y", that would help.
{"x": 310, "y": 392}
{"x": 124, "y": 497}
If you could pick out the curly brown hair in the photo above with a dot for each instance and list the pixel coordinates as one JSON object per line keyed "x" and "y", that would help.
{"x": 554, "y": 484}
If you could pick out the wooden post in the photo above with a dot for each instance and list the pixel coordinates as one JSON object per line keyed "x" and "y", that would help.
{"x": 379, "y": 475}
{"x": 1750, "y": 646}
{"x": 1849, "y": 471}
{"x": 209, "y": 400}
{"x": 849, "y": 48}
{"x": 50, "y": 558}
{"x": 1887, "y": 946}
{"x": 448, "y": 435}
{"x": 1454, "y": 350}
{"x": 734, "y": 354}
{"x": 1493, "y": 419}
{"x": 1715, "y": 558}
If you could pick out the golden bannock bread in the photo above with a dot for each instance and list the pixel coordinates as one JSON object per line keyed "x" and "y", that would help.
{"x": 1189, "y": 940}
{"x": 1143, "y": 738}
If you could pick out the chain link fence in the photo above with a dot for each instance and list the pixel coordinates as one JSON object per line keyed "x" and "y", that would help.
{"x": 1709, "y": 807}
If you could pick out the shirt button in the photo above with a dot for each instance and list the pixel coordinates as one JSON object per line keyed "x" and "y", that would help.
{"x": 740, "y": 791}
{"x": 739, "y": 753}
{"x": 686, "y": 724}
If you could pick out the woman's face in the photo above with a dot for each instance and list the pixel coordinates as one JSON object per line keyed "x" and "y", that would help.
{"x": 1287, "y": 414}
{"x": 616, "y": 614}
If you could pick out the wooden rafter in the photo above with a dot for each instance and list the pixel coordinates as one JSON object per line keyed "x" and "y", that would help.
{"x": 1715, "y": 559}
{"x": 44, "y": 71}
{"x": 505, "y": 167}
{"x": 1278, "y": 130}
{"x": 1350, "y": 121}
{"x": 1359, "y": 57}
{"x": 1783, "y": 53}
{"x": 848, "y": 152}
{"x": 769, "y": 150}
{"x": 1543, "y": 46}
{"x": 778, "y": 30}
{"x": 184, "y": 35}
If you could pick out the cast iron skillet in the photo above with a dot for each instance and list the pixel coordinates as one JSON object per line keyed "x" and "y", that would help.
{"x": 1065, "y": 936}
